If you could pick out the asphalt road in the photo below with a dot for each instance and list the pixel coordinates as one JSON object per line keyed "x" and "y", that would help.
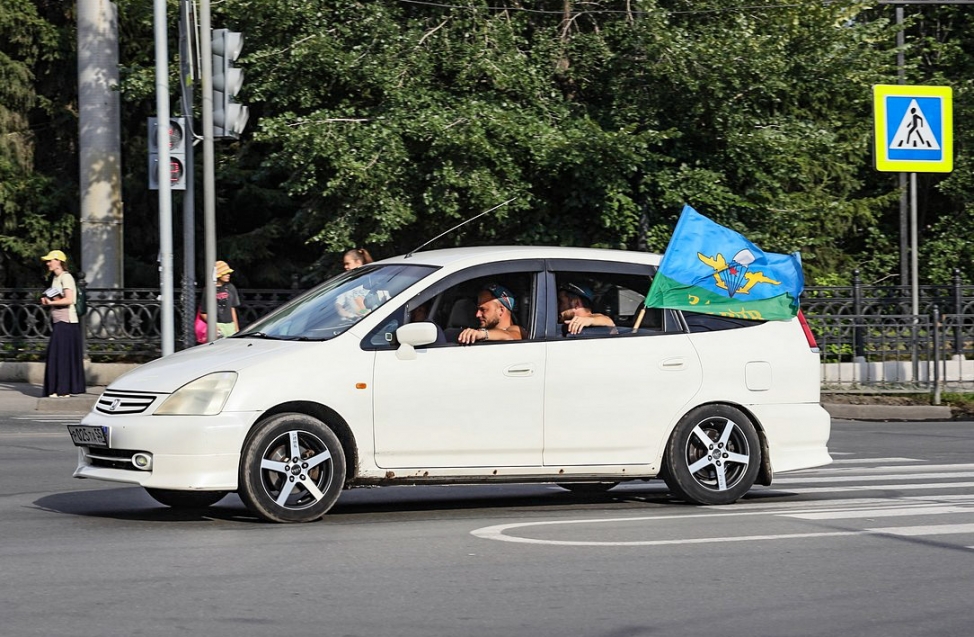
{"x": 879, "y": 543}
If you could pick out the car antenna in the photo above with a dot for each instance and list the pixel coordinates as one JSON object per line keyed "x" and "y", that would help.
{"x": 462, "y": 223}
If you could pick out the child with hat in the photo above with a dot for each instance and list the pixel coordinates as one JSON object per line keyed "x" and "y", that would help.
{"x": 227, "y": 301}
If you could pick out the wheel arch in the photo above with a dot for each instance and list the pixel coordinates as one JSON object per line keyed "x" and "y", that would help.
{"x": 325, "y": 414}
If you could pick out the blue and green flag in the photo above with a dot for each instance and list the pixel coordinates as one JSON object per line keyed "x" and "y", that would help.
{"x": 712, "y": 269}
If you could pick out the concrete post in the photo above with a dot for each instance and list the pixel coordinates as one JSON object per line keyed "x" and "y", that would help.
{"x": 99, "y": 144}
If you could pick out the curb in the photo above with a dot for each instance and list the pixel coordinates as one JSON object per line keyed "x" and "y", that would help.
{"x": 888, "y": 412}
{"x": 70, "y": 405}
{"x": 96, "y": 374}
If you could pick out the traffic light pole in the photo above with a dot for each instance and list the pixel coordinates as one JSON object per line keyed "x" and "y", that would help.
{"x": 166, "y": 301}
{"x": 209, "y": 194}
{"x": 189, "y": 303}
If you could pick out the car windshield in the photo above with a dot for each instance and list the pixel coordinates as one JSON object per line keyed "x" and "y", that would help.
{"x": 337, "y": 304}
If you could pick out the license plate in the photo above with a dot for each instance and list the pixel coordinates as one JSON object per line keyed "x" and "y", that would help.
{"x": 84, "y": 436}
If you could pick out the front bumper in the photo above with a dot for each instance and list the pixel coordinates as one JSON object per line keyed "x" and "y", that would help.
{"x": 187, "y": 452}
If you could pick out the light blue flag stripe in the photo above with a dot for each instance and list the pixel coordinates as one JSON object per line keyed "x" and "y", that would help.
{"x": 705, "y": 254}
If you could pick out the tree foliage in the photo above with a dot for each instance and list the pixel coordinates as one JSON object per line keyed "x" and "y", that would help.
{"x": 34, "y": 212}
{"x": 383, "y": 123}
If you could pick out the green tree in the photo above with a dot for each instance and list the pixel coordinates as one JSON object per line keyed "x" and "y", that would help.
{"x": 34, "y": 211}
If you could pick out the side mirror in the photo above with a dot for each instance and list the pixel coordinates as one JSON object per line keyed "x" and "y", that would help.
{"x": 414, "y": 335}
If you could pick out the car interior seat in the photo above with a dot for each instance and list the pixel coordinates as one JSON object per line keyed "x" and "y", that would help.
{"x": 463, "y": 314}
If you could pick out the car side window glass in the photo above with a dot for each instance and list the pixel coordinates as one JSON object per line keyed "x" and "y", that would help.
{"x": 456, "y": 309}
{"x": 602, "y": 304}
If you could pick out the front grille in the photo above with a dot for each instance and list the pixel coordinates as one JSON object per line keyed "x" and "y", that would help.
{"x": 111, "y": 458}
{"x": 116, "y": 403}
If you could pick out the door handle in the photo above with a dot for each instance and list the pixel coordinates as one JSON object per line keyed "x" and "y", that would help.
{"x": 521, "y": 369}
{"x": 672, "y": 364}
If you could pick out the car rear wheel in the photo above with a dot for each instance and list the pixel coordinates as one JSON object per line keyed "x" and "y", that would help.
{"x": 713, "y": 456}
{"x": 292, "y": 469}
{"x": 186, "y": 499}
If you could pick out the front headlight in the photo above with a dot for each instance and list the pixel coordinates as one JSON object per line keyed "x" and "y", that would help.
{"x": 204, "y": 396}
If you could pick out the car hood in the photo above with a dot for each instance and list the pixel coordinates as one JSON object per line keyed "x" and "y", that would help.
{"x": 167, "y": 374}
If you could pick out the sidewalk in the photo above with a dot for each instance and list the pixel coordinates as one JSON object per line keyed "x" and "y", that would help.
{"x": 18, "y": 398}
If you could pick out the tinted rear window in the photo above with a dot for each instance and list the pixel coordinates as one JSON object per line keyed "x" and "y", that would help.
{"x": 715, "y": 323}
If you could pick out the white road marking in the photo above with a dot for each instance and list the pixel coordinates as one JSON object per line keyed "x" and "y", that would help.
{"x": 880, "y": 513}
{"x": 914, "y": 531}
{"x": 874, "y": 460}
{"x": 875, "y": 487}
{"x": 869, "y": 478}
{"x": 832, "y": 509}
{"x": 499, "y": 532}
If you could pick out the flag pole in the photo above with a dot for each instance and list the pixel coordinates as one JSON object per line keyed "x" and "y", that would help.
{"x": 639, "y": 319}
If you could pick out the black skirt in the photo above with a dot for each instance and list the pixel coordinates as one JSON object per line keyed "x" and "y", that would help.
{"x": 65, "y": 371}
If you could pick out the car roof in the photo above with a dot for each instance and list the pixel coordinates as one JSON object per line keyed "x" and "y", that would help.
{"x": 490, "y": 254}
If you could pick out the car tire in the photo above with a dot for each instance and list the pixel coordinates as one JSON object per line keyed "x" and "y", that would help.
{"x": 587, "y": 488}
{"x": 292, "y": 469}
{"x": 713, "y": 456}
{"x": 185, "y": 499}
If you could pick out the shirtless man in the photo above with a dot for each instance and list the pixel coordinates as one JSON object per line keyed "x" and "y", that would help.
{"x": 575, "y": 309}
{"x": 495, "y": 305}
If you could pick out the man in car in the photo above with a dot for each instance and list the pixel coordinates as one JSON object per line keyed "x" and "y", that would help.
{"x": 575, "y": 309}
{"x": 495, "y": 311}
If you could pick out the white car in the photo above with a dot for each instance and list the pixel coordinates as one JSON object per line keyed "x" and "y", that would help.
{"x": 340, "y": 388}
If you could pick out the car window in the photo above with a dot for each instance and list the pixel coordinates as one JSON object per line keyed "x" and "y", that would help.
{"x": 453, "y": 308}
{"x": 613, "y": 300}
{"x": 697, "y": 322}
{"x": 337, "y": 304}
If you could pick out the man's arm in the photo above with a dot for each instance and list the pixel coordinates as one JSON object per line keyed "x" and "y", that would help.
{"x": 471, "y": 335}
{"x": 578, "y": 323}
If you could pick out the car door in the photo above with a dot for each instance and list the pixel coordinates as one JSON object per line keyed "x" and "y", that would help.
{"x": 465, "y": 406}
{"x": 610, "y": 398}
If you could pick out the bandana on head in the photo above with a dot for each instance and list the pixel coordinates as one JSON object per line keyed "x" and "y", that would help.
{"x": 503, "y": 295}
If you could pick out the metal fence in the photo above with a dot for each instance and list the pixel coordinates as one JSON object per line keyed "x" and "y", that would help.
{"x": 870, "y": 340}
{"x": 121, "y": 325}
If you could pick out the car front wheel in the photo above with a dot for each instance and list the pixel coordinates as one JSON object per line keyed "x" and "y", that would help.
{"x": 292, "y": 469}
{"x": 713, "y": 456}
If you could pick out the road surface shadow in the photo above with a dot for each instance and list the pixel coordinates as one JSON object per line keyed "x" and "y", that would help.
{"x": 413, "y": 502}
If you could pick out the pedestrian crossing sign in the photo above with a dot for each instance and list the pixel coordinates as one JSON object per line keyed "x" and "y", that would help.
{"x": 913, "y": 128}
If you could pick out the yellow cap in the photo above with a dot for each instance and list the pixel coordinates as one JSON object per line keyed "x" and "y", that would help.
{"x": 54, "y": 254}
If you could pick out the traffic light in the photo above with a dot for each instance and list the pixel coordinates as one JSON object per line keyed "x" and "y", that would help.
{"x": 229, "y": 117}
{"x": 177, "y": 153}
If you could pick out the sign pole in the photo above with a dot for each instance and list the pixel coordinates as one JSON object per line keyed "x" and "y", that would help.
{"x": 914, "y": 261}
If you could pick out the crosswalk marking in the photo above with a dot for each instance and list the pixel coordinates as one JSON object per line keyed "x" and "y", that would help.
{"x": 871, "y": 461}
{"x": 914, "y": 531}
{"x": 877, "y": 487}
{"x": 874, "y": 478}
{"x": 880, "y": 513}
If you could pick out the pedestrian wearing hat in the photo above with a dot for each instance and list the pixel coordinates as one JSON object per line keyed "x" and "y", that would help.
{"x": 227, "y": 302}
{"x": 575, "y": 309}
{"x": 64, "y": 373}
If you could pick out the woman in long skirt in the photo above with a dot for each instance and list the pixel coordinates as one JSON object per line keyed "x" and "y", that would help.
{"x": 64, "y": 374}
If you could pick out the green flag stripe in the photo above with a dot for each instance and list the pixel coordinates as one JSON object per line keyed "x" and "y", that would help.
{"x": 667, "y": 293}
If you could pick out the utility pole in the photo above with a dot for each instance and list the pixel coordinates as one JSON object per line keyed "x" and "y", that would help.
{"x": 187, "y": 76}
{"x": 167, "y": 297}
{"x": 99, "y": 144}
{"x": 209, "y": 194}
